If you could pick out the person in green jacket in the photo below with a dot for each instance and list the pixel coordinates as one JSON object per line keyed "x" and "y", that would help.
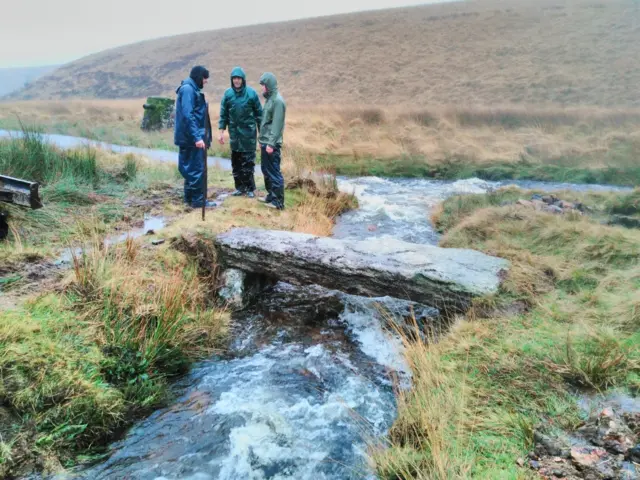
{"x": 273, "y": 119}
{"x": 241, "y": 112}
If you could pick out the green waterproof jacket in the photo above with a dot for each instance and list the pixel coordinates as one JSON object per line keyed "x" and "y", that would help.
{"x": 240, "y": 110}
{"x": 273, "y": 113}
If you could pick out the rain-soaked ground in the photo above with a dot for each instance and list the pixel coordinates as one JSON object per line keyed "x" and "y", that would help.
{"x": 295, "y": 398}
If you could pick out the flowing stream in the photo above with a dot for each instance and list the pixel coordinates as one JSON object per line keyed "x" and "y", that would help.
{"x": 295, "y": 397}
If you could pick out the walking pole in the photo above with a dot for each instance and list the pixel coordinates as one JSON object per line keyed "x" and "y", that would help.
{"x": 204, "y": 185}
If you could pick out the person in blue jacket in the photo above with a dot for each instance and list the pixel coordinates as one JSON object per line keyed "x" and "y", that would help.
{"x": 193, "y": 135}
{"x": 241, "y": 112}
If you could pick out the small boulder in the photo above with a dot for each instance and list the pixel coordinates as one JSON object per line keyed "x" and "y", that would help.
{"x": 633, "y": 454}
{"x": 525, "y": 203}
{"x": 593, "y": 460}
{"x": 158, "y": 114}
{"x": 553, "y": 209}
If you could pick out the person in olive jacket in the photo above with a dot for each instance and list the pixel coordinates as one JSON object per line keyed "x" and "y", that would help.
{"x": 192, "y": 135}
{"x": 271, "y": 128}
{"x": 241, "y": 112}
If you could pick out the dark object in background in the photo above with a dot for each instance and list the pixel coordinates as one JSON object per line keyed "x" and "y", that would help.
{"x": 159, "y": 114}
{"x": 4, "y": 226}
{"x": 19, "y": 192}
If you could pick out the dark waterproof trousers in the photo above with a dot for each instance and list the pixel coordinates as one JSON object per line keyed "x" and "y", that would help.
{"x": 243, "y": 165}
{"x": 191, "y": 166}
{"x": 273, "y": 180}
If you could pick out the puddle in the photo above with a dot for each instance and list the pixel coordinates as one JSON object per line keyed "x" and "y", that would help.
{"x": 152, "y": 225}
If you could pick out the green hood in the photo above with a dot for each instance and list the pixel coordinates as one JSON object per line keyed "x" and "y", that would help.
{"x": 239, "y": 72}
{"x": 271, "y": 82}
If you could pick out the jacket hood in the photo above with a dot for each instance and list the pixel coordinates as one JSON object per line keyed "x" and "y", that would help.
{"x": 190, "y": 82}
{"x": 198, "y": 73}
{"x": 239, "y": 72}
{"x": 271, "y": 82}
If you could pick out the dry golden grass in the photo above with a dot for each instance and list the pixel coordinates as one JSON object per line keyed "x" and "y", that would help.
{"x": 482, "y": 52}
{"x": 152, "y": 297}
{"x": 434, "y": 417}
{"x": 479, "y": 394}
{"x": 305, "y": 213}
{"x": 579, "y": 136}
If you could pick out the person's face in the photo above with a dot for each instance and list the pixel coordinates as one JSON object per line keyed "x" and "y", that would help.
{"x": 237, "y": 82}
{"x": 264, "y": 88}
{"x": 205, "y": 81}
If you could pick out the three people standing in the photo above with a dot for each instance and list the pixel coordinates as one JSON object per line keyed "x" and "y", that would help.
{"x": 242, "y": 114}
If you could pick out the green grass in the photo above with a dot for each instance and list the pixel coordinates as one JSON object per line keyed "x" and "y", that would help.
{"x": 31, "y": 158}
{"x": 77, "y": 187}
{"x": 620, "y": 159}
{"x": 499, "y": 376}
{"x": 554, "y": 170}
{"x": 127, "y": 134}
{"x": 599, "y": 205}
{"x": 79, "y": 365}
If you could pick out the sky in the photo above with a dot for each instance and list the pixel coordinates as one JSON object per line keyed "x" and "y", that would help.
{"x": 52, "y": 32}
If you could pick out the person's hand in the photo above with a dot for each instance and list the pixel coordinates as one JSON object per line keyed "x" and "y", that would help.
{"x": 269, "y": 149}
{"x": 200, "y": 144}
{"x": 221, "y": 137}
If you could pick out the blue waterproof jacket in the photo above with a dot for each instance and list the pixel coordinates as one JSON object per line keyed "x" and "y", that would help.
{"x": 192, "y": 116}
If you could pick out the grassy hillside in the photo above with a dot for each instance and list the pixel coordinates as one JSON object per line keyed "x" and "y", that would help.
{"x": 12, "y": 79}
{"x": 562, "y": 52}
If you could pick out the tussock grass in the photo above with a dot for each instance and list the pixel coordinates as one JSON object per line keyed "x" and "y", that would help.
{"x": 31, "y": 158}
{"x": 79, "y": 366}
{"x": 514, "y": 372}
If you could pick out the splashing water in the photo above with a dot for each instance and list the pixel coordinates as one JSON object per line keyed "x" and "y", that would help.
{"x": 294, "y": 399}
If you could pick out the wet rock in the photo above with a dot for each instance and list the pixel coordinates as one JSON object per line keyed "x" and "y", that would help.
{"x": 633, "y": 422}
{"x": 534, "y": 464}
{"x": 553, "y": 209}
{"x": 443, "y": 278}
{"x": 558, "y": 473}
{"x": 232, "y": 290}
{"x": 629, "y": 471}
{"x": 608, "y": 430}
{"x": 312, "y": 304}
{"x": 308, "y": 305}
{"x": 547, "y": 446}
{"x": 593, "y": 460}
{"x": 150, "y": 232}
{"x": 633, "y": 454}
{"x": 160, "y": 241}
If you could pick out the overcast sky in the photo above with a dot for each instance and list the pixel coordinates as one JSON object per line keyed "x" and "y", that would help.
{"x": 47, "y": 32}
